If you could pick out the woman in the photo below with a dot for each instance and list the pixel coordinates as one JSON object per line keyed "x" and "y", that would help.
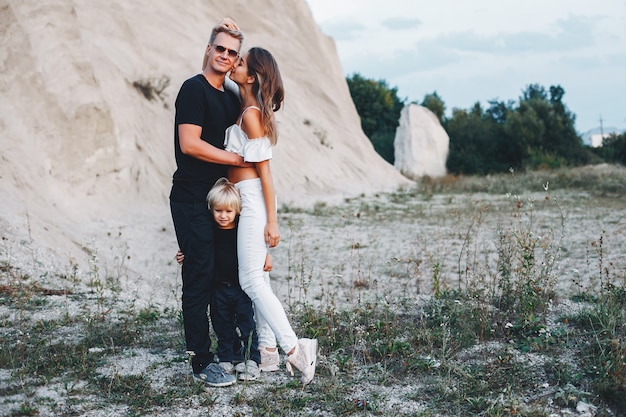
{"x": 261, "y": 91}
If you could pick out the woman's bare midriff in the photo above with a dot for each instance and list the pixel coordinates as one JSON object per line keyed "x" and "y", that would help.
{"x": 236, "y": 174}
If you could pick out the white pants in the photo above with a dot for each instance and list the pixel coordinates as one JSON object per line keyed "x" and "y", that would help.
{"x": 272, "y": 322}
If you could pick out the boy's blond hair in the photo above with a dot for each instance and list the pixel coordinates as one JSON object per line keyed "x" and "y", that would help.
{"x": 224, "y": 194}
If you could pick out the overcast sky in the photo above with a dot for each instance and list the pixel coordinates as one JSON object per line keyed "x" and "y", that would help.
{"x": 480, "y": 50}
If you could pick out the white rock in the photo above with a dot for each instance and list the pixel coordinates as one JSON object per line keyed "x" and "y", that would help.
{"x": 421, "y": 144}
{"x": 586, "y": 410}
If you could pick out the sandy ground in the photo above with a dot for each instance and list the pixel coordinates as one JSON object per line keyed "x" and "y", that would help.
{"x": 379, "y": 247}
{"x": 387, "y": 248}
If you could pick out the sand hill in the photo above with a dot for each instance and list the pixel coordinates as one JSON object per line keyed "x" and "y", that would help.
{"x": 87, "y": 158}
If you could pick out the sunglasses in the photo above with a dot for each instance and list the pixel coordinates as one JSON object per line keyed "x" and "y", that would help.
{"x": 231, "y": 52}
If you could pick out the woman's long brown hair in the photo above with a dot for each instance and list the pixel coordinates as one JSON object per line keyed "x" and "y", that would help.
{"x": 267, "y": 88}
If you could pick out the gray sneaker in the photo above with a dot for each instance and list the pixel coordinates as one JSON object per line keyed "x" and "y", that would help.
{"x": 247, "y": 371}
{"x": 228, "y": 367}
{"x": 215, "y": 376}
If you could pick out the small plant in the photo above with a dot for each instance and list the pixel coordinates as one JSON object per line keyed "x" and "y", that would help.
{"x": 27, "y": 409}
{"x": 322, "y": 135}
{"x": 152, "y": 88}
{"x": 603, "y": 323}
{"x": 148, "y": 315}
{"x": 320, "y": 208}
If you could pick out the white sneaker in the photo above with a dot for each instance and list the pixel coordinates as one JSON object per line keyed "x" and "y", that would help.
{"x": 227, "y": 367}
{"x": 247, "y": 371}
{"x": 304, "y": 359}
{"x": 270, "y": 361}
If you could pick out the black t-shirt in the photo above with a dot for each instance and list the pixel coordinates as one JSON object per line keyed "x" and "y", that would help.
{"x": 226, "y": 266}
{"x": 200, "y": 104}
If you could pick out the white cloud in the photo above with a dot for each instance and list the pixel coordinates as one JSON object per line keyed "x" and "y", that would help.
{"x": 485, "y": 49}
{"x": 401, "y": 23}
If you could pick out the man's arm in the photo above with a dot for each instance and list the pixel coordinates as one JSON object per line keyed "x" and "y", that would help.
{"x": 191, "y": 144}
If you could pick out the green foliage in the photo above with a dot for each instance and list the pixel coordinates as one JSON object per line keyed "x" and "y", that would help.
{"x": 613, "y": 149}
{"x": 559, "y": 137}
{"x": 536, "y": 132}
{"x": 435, "y": 104}
{"x": 476, "y": 143}
{"x": 379, "y": 109}
{"x": 604, "y": 355}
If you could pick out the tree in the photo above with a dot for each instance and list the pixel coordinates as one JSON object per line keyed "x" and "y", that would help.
{"x": 475, "y": 139}
{"x": 525, "y": 131}
{"x": 435, "y": 104}
{"x": 498, "y": 111}
{"x": 613, "y": 149}
{"x": 379, "y": 109}
{"x": 557, "y": 143}
{"x": 537, "y": 131}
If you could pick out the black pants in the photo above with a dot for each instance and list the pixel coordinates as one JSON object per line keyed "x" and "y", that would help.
{"x": 232, "y": 309}
{"x": 194, "y": 232}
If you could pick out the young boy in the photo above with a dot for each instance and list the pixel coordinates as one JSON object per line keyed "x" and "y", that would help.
{"x": 231, "y": 308}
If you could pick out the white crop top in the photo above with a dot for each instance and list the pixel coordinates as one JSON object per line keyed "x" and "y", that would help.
{"x": 251, "y": 150}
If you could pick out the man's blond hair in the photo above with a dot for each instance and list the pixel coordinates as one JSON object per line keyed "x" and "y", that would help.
{"x": 228, "y": 26}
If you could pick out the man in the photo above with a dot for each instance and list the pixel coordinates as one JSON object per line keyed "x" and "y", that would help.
{"x": 204, "y": 109}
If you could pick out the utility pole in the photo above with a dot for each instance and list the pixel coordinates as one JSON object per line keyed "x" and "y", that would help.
{"x": 601, "y": 128}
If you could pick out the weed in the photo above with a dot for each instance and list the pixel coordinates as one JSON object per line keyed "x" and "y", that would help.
{"x": 152, "y": 88}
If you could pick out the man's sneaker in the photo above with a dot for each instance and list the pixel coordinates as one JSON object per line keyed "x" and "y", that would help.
{"x": 269, "y": 360}
{"x": 247, "y": 371}
{"x": 215, "y": 376}
{"x": 304, "y": 359}
{"x": 228, "y": 367}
